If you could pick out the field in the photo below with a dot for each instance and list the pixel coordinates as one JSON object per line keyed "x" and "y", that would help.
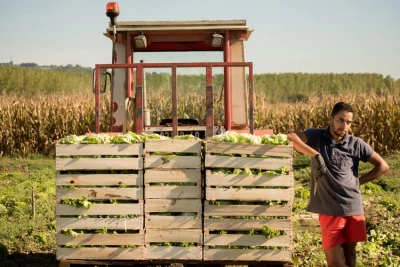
{"x": 30, "y": 126}
{"x": 28, "y": 231}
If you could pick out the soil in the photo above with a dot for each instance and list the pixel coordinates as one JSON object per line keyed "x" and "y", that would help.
{"x": 29, "y": 260}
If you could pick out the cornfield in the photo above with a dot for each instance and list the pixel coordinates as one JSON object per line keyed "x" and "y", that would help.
{"x": 32, "y": 125}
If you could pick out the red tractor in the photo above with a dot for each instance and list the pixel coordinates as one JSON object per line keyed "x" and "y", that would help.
{"x": 128, "y": 92}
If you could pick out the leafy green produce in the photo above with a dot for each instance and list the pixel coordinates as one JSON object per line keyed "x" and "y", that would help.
{"x": 279, "y": 171}
{"x": 245, "y": 171}
{"x": 82, "y": 202}
{"x": 72, "y": 139}
{"x": 186, "y": 137}
{"x": 270, "y": 233}
{"x": 234, "y": 137}
{"x": 128, "y": 138}
{"x": 145, "y": 137}
{"x": 275, "y": 139}
{"x": 70, "y": 232}
{"x": 96, "y": 139}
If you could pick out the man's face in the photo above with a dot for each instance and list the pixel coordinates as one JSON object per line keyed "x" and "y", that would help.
{"x": 340, "y": 124}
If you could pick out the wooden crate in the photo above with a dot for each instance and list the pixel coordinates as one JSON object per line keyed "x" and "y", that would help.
{"x": 173, "y": 207}
{"x": 113, "y": 182}
{"x": 173, "y": 154}
{"x": 238, "y": 207}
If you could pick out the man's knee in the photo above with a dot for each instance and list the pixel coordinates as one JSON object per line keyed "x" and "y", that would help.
{"x": 349, "y": 248}
{"x": 334, "y": 257}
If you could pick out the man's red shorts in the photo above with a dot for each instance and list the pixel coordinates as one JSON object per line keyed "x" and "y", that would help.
{"x": 337, "y": 230}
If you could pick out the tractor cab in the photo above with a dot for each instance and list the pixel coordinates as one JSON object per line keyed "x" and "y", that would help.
{"x": 129, "y": 107}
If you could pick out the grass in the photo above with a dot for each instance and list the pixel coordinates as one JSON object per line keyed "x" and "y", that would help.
{"x": 24, "y": 236}
{"x": 20, "y": 179}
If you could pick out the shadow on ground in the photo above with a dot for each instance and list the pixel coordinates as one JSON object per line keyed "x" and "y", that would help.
{"x": 29, "y": 260}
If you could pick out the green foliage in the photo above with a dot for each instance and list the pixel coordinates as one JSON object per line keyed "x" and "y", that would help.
{"x": 19, "y": 230}
{"x": 102, "y": 231}
{"x": 271, "y": 233}
{"x": 371, "y": 189}
{"x": 294, "y": 87}
{"x": 82, "y": 202}
{"x": 30, "y": 78}
{"x": 70, "y": 232}
{"x": 245, "y": 138}
{"x": 15, "y": 80}
{"x": 284, "y": 87}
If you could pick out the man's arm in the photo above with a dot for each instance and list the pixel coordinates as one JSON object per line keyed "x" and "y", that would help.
{"x": 299, "y": 144}
{"x": 380, "y": 168}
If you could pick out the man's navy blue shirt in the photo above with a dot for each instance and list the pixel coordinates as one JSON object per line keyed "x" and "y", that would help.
{"x": 338, "y": 192}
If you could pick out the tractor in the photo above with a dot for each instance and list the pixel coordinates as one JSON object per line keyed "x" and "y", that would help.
{"x": 129, "y": 106}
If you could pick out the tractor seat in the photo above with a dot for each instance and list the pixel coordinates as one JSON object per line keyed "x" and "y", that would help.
{"x": 168, "y": 122}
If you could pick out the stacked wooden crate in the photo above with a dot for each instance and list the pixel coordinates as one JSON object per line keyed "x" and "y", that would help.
{"x": 99, "y": 193}
{"x": 173, "y": 207}
{"x": 247, "y": 218}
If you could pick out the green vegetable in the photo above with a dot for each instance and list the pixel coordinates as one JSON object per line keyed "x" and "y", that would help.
{"x": 233, "y": 137}
{"x": 72, "y": 139}
{"x": 186, "y": 137}
{"x": 96, "y": 139}
{"x": 275, "y": 139}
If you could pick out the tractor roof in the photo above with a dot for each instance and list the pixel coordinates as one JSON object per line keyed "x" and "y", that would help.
{"x": 194, "y": 33}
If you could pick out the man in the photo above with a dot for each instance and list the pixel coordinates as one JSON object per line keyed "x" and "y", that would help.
{"x": 335, "y": 193}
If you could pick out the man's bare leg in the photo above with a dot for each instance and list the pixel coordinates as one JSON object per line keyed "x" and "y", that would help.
{"x": 334, "y": 257}
{"x": 350, "y": 254}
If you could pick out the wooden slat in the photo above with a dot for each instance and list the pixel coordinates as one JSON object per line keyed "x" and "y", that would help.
{"x": 307, "y": 222}
{"x": 247, "y": 255}
{"x": 249, "y": 194}
{"x": 173, "y": 222}
{"x": 100, "y": 179}
{"x": 213, "y": 161}
{"x": 100, "y": 223}
{"x": 174, "y": 192}
{"x": 65, "y": 164}
{"x": 246, "y": 240}
{"x": 246, "y": 210}
{"x": 173, "y": 205}
{"x": 175, "y": 175}
{"x": 250, "y": 149}
{"x": 101, "y": 193}
{"x": 101, "y": 209}
{"x": 248, "y": 180}
{"x": 173, "y": 162}
{"x": 99, "y": 149}
{"x": 181, "y": 235}
{"x": 245, "y": 224}
{"x": 175, "y": 253}
{"x": 100, "y": 253}
{"x": 101, "y": 239}
{"x": 174, "y": 145}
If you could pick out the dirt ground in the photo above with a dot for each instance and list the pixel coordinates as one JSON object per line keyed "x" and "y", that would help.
{"x": 29, "y": 260}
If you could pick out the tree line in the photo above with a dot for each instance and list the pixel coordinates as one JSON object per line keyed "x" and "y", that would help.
{"x": 32, "y": 79}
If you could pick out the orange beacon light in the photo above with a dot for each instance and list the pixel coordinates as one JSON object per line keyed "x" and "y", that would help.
{"x": 112, "y": 11}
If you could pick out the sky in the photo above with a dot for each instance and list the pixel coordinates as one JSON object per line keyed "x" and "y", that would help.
{"x": 309, "y": 36}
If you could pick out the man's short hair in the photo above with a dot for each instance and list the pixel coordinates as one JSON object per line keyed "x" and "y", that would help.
{"x": 341, "y": 106}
